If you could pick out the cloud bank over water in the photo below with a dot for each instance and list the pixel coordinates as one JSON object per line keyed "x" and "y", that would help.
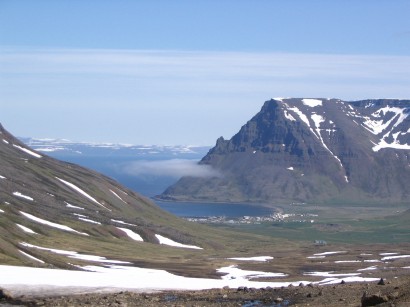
{"x": 170, "y": 168}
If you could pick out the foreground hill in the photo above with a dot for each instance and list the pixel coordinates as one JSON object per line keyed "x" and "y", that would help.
{"x": 311, "y": 150}
{"x": 46, "y": 204}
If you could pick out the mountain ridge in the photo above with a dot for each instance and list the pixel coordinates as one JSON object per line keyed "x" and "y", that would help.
{"x": 310, "y": 150}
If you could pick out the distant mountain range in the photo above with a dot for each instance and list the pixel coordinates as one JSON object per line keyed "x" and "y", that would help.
{"x": 311, "y": 150}
{"x": 62, "y": 147}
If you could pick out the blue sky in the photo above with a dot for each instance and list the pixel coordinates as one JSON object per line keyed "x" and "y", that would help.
{"x": 187, "y": 72}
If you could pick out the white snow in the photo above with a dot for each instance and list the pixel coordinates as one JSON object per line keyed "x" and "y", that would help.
{"x": 18, "y": 194}
{"x": 51, "y": 224}
{"x": 394, "y": 257}
{"x": 347, "y": 261}
{"x": 290, "y": 168}
{"x": 133, "y": 235}
{"x": 1, "y": 211}
{"x": 26, "y": 229}
{"x": 330, "y": 274}
{"x": 2, "y": 177}
{"x": 330, "y": 253}
{"x": 332, "y": 281}
{"x": 257, "y": 258}
{"x": 312, "y": 102}
{"x": 372, "y": 260}
{"x": 31, "y": 257}
{"x": 74, "y": 255}
{"x": 388, "y": 254}
{"x": 118, "y": 196}
{"x": 316, "y": 257}
{"x": 89, "y": 221}
{"x": 73, "y": 207}
{"x": 166, "y": 241}
{"x": 288, "y": 115}
{"x": 77, "y": 189}
{"x": 302, "y": 116}
{"x": 5, "y": 141}
{"x": 232, "y": 272}
{"x": 122, "y": 222}
{"x": 318, "y": 119}
{"x": 370, "y": 268}
{"x": 36, "y": 155}
{"x": 125, "y": 277}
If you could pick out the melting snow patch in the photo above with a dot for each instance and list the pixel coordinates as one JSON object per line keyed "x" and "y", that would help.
{"x": 51, "y": 224}
{"x": 290, "y": 168}
{"x": 36, "y": 155}
{"x": 332, "y": 281}
{"x": 312, "y": 102}
{"x": 370, "y": 268}
{"x": 1, "y": 211}
{"x": 258, "y": 258}
{"x": 388, "y": 254}
{"x": 74, "y": 255}
{"x": 89, "y": 221}
{"x": 166, "y": 241}
{"x": 2, "y": 177}
{"x": 133, "y": 235}
{"x": 330, "y": 253}
{"x": 330, "y": 274}
{"x": 394, "y": 257}
{"x": 77, "y": 189}
{"x": 26, "y": 229}
{"x": 316, "y": 257}
{"x": 232, "y": 272}
{"x": 372, "y": 260}
{"x": 18, "y": 194}
{"x": 116, "y": 195}
{"x": 31, "y": 257}
{"x": 347, "y": 261}
{"x": 5, "y": 141}
{"x": 122, "y": 222}
{"x": 72, "y": 206}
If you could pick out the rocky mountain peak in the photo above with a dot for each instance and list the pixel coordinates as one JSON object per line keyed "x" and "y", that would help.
{"x": 309, "y": 149}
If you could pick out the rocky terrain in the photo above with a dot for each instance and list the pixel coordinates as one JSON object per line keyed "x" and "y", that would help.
{"x": 310, "y": 150}
{"x": 383, "y": 294}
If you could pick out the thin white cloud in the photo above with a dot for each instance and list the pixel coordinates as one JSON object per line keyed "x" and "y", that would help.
{"x": 182, "y": 96}
{"x": 171, "y": 168}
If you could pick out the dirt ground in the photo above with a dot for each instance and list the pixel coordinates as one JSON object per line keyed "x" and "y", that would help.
{"x": 395, "y": 292}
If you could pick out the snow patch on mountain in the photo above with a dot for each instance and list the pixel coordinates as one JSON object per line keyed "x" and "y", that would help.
{"x": 133, "y": 235}
{"x": 77, "y": 189}
{"x": 51, "y": 224}
{"x": 312, "y": 102}
{"x": 18, "y": 194}
{"x": 166, "y": 241}
{"x": 26, "y": 229}
{"x": 73, "y": 254}
{"x": 32, "y": 153}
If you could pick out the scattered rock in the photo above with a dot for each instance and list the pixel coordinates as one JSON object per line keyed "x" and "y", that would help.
{"x": 4, "y": 294}
{"x": 373, "y": 299}
{"x": 342, "y": 282}
{"x": 278, "y": 300}
{"x": 381, "y": 282}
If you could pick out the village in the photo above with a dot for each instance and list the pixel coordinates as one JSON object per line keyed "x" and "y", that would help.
{"x": 275, "y": 217}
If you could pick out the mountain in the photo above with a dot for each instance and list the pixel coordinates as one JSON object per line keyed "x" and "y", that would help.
{"x": 310, "y": 150}
{"x": 58, "y": 214}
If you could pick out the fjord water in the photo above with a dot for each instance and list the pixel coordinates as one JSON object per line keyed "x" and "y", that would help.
{"x": 150, "y": 186}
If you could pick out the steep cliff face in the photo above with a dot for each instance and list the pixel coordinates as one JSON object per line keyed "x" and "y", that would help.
{"x": 311, "y": 150}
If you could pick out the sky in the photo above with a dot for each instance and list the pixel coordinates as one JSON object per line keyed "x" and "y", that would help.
{"x": 188, "y": 72}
